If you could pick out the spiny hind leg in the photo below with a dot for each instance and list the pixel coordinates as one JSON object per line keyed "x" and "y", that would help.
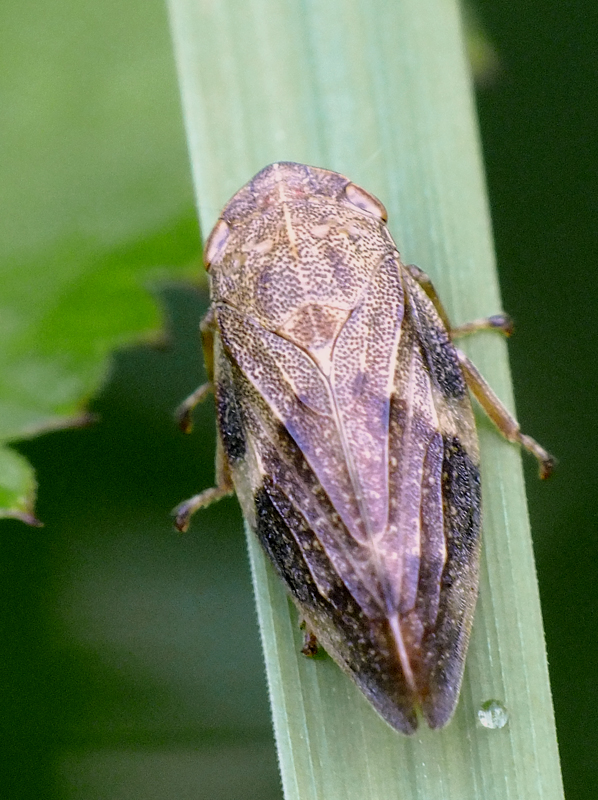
{"x": 502, "y": 418}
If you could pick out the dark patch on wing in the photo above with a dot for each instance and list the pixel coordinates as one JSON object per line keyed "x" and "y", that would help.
{"x": 279, "y": 543}
{"x": 437, "y": 347}
{"x": 445, "y": 645}
{"x": 230, "y": 421}
{"x": 462, "y": 501}
{"x": 362, "y": 646}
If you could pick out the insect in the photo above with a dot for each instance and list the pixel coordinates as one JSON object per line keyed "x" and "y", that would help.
{"x": 346, "y": 430}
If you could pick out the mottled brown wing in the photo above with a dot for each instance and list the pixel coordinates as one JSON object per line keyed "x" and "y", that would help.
{"x": 363, "y": 488}
{"x": 298, "y": 526}
{"x": 435, "y": 505}
{"x": 299, "y": 400}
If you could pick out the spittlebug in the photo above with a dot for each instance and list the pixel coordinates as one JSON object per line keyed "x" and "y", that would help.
{"x": 346, "y": 430}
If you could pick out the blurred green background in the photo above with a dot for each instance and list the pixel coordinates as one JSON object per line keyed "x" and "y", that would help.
{"x": 131, "y": 663}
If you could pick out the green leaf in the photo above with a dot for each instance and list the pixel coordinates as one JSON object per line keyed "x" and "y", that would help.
{"x": 381, "y": 92}
{"x": 96, "y": 204}
{"x": 18, "y": 487}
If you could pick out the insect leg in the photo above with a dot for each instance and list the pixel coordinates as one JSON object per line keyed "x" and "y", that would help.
{"x": 497, "y": 322}
{"x": 224, "y": 487}
{"x": 310, "y": 641}
{"x": 504, "y": 421}
{"x": 424, "y": 281}
{"x": 183, "y": 412}
{"x": 224, "y": 484}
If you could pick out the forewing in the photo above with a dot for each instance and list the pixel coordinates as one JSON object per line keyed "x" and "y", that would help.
{"x": 408, "y": 437}
{"x": 362, "y": 382}
{"x": 434, "y": 447}
{"x": 289, "y": 400}
{"x": 294, "y": 519}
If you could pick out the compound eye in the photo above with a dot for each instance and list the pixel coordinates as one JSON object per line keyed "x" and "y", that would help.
{"x": 358, "y": 197}
{"x": 216, "y": 243}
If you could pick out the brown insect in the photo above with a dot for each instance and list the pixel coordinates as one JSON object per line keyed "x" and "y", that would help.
{"x": 346, "y": 430}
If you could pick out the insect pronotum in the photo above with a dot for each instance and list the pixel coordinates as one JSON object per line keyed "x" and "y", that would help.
{"x": 346, "y": 430}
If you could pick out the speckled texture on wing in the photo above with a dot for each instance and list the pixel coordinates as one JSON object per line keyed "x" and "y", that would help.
{"x": 300, "y": 530}
{"x": 434, "y": 469}
{"x": 358, "y": 465}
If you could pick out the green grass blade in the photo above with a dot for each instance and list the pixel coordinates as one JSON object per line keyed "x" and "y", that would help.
{"x": 380, "y": 91}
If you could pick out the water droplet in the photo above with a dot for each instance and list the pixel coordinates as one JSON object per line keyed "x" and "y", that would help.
{"x": 492, "y": 714}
